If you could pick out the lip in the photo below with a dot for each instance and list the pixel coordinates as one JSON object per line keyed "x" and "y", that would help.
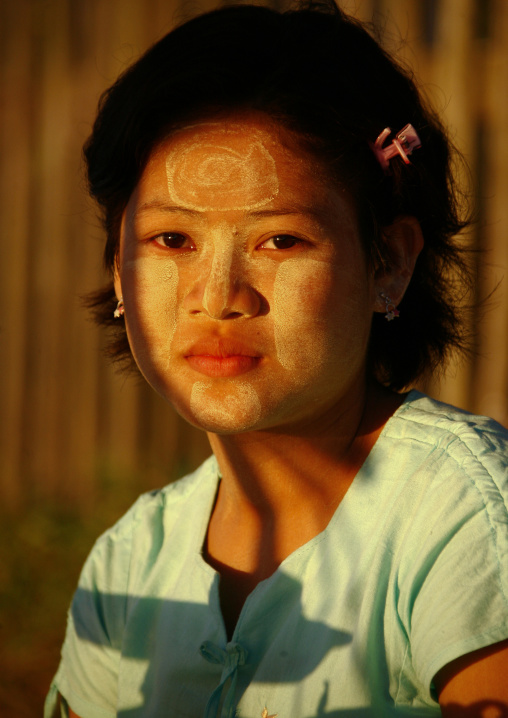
{"x": 222, "y": 366}
{"x": 221, "y": 357}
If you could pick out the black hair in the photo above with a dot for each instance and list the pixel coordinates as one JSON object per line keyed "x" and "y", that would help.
{"x": 319, "y": 73}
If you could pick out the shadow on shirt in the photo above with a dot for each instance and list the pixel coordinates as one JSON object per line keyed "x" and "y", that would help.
{"x": 279, "y": 646}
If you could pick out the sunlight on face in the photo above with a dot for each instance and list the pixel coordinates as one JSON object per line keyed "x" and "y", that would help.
{"x": 219, "y": 160}
{"x": 248, "y": 300}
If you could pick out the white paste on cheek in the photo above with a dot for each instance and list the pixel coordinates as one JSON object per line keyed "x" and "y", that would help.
{"x": 218, "y": 169}
{"x": 300, "y": 339}
{"x": 235, "y": 408}
{"x": 321, "y": 317}
{"x": 151, "y": 327}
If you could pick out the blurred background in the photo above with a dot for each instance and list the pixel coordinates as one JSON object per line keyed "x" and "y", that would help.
{"x": 78, "y": 442}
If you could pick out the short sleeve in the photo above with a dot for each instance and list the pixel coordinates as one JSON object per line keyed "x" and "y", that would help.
{"x": 456, "y": 600}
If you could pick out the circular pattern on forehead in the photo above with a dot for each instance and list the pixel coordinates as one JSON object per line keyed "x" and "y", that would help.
{"x": 221, "y": 165}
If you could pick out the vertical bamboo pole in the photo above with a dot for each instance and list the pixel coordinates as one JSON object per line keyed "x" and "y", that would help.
{"x": 46, "y": 422}
{"x": 491, "y": 385}
{"x": 452, "y": 82}
{"x": 83, "y": 251}
{"x": 15, "y": 239}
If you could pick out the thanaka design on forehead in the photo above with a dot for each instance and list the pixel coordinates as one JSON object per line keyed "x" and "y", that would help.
{"x": 216, "y": 163}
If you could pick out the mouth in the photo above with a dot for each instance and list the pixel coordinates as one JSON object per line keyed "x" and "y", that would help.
{"x": 216, "y": 357}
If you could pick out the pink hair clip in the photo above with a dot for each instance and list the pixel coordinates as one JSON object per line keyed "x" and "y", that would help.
{"x": 404, "y": 143}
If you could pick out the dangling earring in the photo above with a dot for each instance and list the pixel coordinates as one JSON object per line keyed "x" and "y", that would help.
{"x": 119, "y": 311}
{"x": 390, "y": 308}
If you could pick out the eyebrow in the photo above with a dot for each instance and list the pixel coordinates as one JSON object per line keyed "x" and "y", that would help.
{"x": 315, "y": 212}
{"x": 164, "y": 207}
{"x": 281, "y": 211}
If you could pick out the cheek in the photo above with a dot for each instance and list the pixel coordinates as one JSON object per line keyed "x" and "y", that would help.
{"x": 299, "y": 299}
{"x": 150, "y": 308}
{"x": 319, "y": 312}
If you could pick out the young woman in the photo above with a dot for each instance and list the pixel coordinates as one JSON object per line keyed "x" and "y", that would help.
{"x": 280, "y": 217}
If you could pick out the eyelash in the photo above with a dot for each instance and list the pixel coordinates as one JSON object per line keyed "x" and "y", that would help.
{"x": 165, "y": 235}
{"x": 284, "y": 237}
{"x": 164, "y": 240}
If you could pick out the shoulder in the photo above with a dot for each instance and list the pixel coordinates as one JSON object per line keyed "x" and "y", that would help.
{"x": 137, "y": 538}
{"x": 161, "y": 505}
{"x": 452, "y": 576}
{"x": 476, "y": 444}
{"x": 421, "y": 411}
{"x": 455, "y": 471}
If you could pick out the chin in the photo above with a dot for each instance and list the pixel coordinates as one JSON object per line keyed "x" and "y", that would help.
{"x": 234, "y": 409}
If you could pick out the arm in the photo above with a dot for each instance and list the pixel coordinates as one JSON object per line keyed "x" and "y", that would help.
{"x": 475, "y": 685}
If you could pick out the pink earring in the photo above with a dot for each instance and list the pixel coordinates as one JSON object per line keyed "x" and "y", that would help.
{"x": 390, "y": 308}
{"x": 119, "y": 311}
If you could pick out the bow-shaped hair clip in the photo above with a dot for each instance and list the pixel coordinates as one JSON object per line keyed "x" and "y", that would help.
{"x": 404, "y": 143}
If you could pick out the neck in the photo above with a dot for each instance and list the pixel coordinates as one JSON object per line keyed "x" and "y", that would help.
{"x": 265, "y": 471}
{"x": 280, "y": 489}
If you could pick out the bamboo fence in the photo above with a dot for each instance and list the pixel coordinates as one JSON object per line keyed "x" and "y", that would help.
{"x": 67, "y": 420}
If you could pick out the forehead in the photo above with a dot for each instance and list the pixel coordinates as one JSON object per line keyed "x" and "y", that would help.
{"x": 245, "y": 162}
{"x": 235, "y": 134}
{"x": 245, "y": 167}
{"x": 232, "y": 159}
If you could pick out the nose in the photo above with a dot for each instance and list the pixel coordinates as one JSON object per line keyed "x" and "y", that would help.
{"x": 224, "y": 291}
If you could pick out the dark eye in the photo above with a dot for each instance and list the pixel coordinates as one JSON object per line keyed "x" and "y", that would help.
{"x": 281, "y": 241}
{"x": 172, "y": 240}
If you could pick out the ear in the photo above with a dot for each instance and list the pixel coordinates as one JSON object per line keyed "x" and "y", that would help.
{"x": 116, "y": 280}
{"x": 404, "y": 242}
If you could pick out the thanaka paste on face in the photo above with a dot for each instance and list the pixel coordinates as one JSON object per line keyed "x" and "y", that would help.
{"x": 313, "y": 331}
{"x": 159, "y": 281}
{"x": 293, "y": 338}
{"x": 238, "y": 407}
{"x": 219, "y": 260}
{"x": 234, "y": 409}
{"x": 197, "y": 171}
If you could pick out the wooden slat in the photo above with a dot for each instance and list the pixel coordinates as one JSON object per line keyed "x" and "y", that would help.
{"x": 80, "y": 373}
{"x": 491, "y": 385}
{"x": 47, "y": 419}
{"x": 450, "y": 86}
{"x": 15, "y": 239}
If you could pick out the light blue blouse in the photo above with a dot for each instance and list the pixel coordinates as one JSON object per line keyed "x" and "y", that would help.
{"x": 410, "y": 573}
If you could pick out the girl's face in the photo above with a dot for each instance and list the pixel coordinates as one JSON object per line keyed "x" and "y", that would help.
{"x": 248, "y": 299}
